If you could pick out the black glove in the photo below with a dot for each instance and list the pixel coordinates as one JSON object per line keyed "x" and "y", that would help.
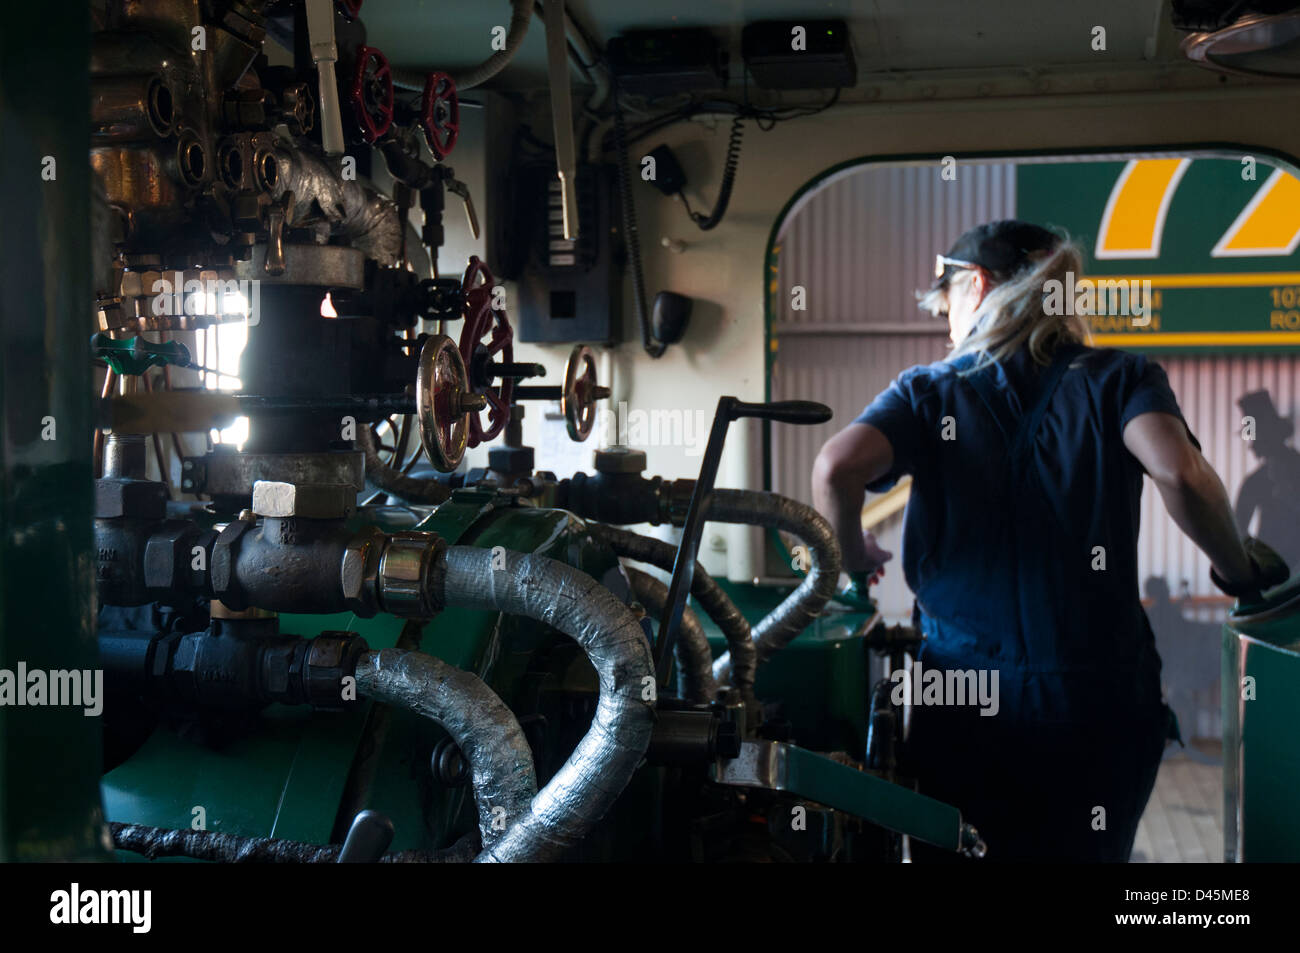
{"x": 856, "y": 594}
{"x": 1270, "y": 570}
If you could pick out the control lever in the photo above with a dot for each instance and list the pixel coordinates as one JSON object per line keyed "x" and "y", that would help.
{"x": 368, "y": 838}
{"x": 278, "y": 219}
{"x": 457, "y": 187}
{"x": 729, "y": 409}
{"x": 785, "y": 411}
{"x": 325, "y": 53}
{"x": 566, "y": 159}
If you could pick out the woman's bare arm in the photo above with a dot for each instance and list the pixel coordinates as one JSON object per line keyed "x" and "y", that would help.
{"x": 847, "y": 462}
{"x": 1191, "y": 490}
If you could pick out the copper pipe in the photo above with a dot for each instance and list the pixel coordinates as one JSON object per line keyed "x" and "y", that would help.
{"x": 167, "y": 385}
{"x": 97, "y": 457}
{"x": 157, "y": 448}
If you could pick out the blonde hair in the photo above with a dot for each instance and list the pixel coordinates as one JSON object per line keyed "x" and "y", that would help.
{"x": 1012, "y": 315}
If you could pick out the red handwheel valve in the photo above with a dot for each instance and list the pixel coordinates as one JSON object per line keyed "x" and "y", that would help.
{"x": 440, "y": 114}
{"x": 372, "y": 93}
{"x": 484, "y": 321}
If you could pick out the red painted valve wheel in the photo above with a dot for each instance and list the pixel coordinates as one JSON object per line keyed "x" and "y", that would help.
{"x": 440, "y": 114}
{"x": 372, "y": 93}
{"x": 483, "y": 321}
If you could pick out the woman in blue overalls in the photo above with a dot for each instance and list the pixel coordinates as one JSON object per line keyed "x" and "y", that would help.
{"x": 1027, "y": 450}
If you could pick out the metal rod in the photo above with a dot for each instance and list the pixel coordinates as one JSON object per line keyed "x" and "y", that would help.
{"x": 566, "y": 160}
{"x": 97, "y": 465}
{"x": 379, "y": 405}
{"x": 538, "y": 393}
{"x": 515, "y": 370}
{"x": 684, "y": 566}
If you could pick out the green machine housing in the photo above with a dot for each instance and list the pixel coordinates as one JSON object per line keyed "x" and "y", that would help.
{"x": 1261, "y": 709}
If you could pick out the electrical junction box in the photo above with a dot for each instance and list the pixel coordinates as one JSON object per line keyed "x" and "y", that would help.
{"x": 799, "y": 54}
{"x": 664, "y": 62}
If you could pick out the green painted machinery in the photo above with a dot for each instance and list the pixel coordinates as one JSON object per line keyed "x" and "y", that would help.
{"x": 302, "y": 776}
{"x": 1261, "y": 709}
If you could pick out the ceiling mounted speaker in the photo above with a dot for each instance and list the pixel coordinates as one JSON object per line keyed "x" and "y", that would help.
{"x": 1258, "y": 43}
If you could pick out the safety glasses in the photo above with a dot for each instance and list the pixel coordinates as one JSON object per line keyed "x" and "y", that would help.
{"x": 942, "y": 261}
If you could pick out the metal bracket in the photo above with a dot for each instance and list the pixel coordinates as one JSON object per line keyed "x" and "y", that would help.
{"x": 777, "y": 766}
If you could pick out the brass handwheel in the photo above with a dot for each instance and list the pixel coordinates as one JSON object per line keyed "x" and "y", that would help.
{"x": 443, "y": 402}
{"x": 580, "y": 392}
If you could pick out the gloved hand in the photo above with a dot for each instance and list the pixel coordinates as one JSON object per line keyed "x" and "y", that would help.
{"x": 1270, "y": 570}
{"x": 856, "y": 594}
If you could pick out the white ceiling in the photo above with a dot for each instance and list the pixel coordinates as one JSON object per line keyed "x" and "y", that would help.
{"x": 888, "y": 35}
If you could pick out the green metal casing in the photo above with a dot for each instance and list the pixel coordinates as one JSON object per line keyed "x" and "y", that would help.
{"x": 1261, "y": 711}
{"x": 287, "y": 778}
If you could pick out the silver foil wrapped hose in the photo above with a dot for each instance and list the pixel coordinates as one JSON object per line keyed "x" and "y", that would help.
{"x": 155, "y": 842}
{"x": 485, "y": 730}
{"x": 802, "y": 606}
{"x": 695, "y": 682}
{"x": 368, "y": 220}
{"x": 603, "y": 763}
{"x": 717, "y": 605}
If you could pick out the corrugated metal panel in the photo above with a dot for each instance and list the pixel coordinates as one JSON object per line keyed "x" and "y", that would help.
{"x": 1207, "y": 389}
{"x": 865, "y": 240}
{"x": 843, "y": 371}
{"x": 1188, "y": 636}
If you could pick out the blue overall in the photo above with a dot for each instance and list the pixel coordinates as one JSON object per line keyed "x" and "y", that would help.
{"x": 1020, "y": 544}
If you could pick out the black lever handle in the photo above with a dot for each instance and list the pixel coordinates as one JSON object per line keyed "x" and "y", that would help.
{"x": 784, "y": 411}
{"x": 729, "y": 409}
{"x": 368, "y": 838}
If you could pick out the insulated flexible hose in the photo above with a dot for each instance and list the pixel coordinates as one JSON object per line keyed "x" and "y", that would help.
{"x": 717, "y": 605}
{"x": 410, "y": 489}
{"x": 695, "y": 682}
{"x": 802, "y": 606}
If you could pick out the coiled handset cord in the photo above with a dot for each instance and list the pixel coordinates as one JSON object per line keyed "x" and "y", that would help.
{"x": 707, "y": 222}
{"x": 630, "y": 233}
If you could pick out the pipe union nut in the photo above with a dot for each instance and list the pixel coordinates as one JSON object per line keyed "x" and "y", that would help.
{"x": 675, "y": 501}
{"x": 406, "y": 584}
{"x": 360, "y": 571}
{"x": 221, "y": 565}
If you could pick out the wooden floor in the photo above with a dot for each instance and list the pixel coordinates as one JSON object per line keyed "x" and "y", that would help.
{"x": 1183, "y": 821}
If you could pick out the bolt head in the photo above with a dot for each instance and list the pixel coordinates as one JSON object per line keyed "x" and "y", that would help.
{"x": 620, "y": 460}
{"x": 322, "y": 501}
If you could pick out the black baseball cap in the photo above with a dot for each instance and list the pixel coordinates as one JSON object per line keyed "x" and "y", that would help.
{"x": 1000, "y": 248}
